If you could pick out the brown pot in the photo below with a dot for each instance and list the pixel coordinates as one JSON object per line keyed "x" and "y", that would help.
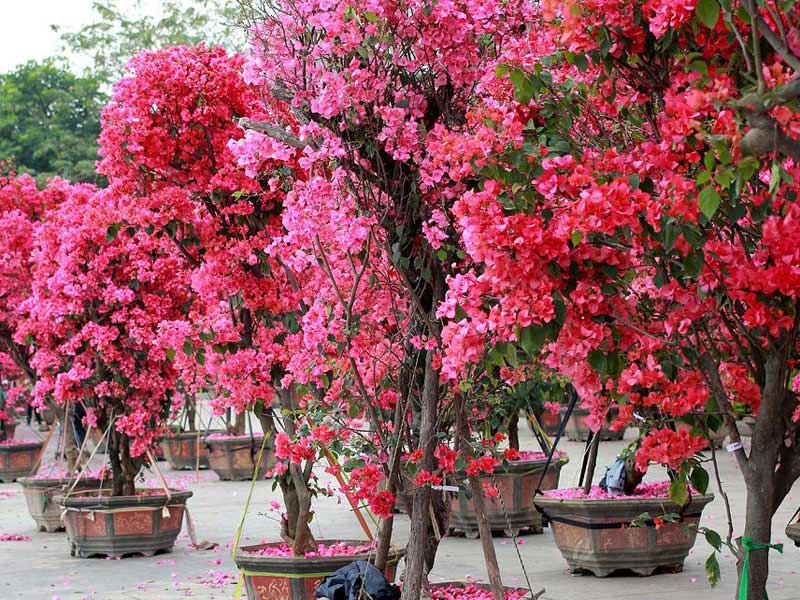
{"x": 595, "y": 534}
{"x": 19, "y": 460}
{"x": 11, "y": 429}
{"x": 117, "y": 526}
{"x": 185, "y": 450}
{"x": 291, "y": 578}
{"x": 793, "y": 533}
{"x": 234, "y": 458}
{"x": 39, "y": 494}
{"x": 577, "y": 429}
{"x": 482, "y": 586}
{"x": 514, "y": 511}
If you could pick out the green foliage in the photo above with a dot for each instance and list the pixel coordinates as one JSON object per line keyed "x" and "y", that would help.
{"x": 122, "y": 30}
{"x": 49, "y": 121}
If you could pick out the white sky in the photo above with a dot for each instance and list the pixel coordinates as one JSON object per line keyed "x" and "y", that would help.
{"x": 25, "y": 32}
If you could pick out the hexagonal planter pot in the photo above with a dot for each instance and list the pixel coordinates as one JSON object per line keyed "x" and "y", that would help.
{"x": 18, "y": 458}
{"x": 595, "y": 534}
{"x": 577, "y": 429}
{"x": 297, "y": 578}
{"x": 185, "y": 450}
{"x": 40, "y": 494}
{"x": 514, "y": 511}
{"x": 117, "y": 526}
{"x": 233, "y": 458}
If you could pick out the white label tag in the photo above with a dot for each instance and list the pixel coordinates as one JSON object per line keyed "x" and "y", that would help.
{"x": 445, "y": 488}
{"x": 734, "y": 446}
{"x": 165, "y": 513}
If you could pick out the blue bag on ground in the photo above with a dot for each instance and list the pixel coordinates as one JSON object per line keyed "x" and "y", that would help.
{"x": 347, "y": 583}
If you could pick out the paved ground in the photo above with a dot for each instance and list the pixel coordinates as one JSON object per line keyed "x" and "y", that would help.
{"x": 41, "y": 569}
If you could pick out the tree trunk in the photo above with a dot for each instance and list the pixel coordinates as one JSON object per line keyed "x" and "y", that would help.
{"x": 592, "y": 464}
{"x": 513, "y": 431}
{"x": 422, "y": 543}
{"x": 758, "y": 526}
{"x": 124, "y": 467}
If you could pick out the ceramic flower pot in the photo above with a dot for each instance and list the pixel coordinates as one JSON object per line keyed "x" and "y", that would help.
{"x": 234, "y": 458}
{"x": 11, "y": 429}
{"x": 40, "y": 494}
{"x": 185, "y": 450}
{"x": 463, "y": 590}
{"x": 513, "y": 511}
{"x": 296, "y": 578}
{"x": 18, "y": 458}
{"x": 577, "y": 429}
{"x": 595, "y": 534}
{"x": 105, "y": 525}
{"x": 793, "y": 533}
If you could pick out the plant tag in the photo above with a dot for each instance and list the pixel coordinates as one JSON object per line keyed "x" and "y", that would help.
{"x": 445, "y": 488}
{"x": 165, "y": 513}
{"x": 90, "y": 516}
{"x": 734, "y": 446}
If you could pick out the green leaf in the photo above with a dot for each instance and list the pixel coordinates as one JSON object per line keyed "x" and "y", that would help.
{"x": 188, "y": 349}
{"x": 709, "y": 201}
{"x": 112, "y": 231}
{"x": 678, "y": 492}
{"x": 371, "y": 17}
{"x": 501, "y": 69}
{"x": 523, "y": 87}
{"x": 699, "y": 479}
{"x": 171, "y": 354}
{"x": 713, "y": 538}
{"x": 576, "y": 237}
{"x": 532, "y": 339}
{"x": 774, "y": 178}
{"x": 708, "y": 12}
{"x": 712, "y": 570}
{"x": 699, "y": 66}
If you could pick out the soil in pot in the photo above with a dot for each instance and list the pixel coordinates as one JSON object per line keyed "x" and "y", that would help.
{"x": 118, "y": 526}
{"x": 40, "y": 492}
{"x": 233, "y": 458}
{"x": 271, "y": 572}
{"x": 594, "y": 532}
{"x": 465, "y": 590}
{"x": 510, "y": 509}
{"x": 18, "y": 458}
{"x": 185, "y": 450}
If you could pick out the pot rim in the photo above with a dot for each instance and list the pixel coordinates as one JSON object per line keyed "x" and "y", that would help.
{"x": 460, "y": 584}
{"x": 81, "y": 501}
{"x": 177, "y": 435}
{"x": 39, "y": 482}
{"x": 25, "y": 445}
{"x": 566, "y": 504}
{"x": 288, "y": 560}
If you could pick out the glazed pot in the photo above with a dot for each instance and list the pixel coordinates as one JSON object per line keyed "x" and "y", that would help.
{"x": 185, "y": 450}
{"x": 577, "y": 429}
{"x": 117, "y": 526}
{"x": 297, "y": 578}
{"x": 234, "y": 458}
{"x": 39, "y": 496}
{"x": 595, "y": 534}
{"x": 19, "y": 460}
{"x": 514, "y": 511}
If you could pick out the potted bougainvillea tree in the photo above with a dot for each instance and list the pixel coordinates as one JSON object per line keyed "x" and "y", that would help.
{"x": 98, "y": 295}
{"x": 225, "y": 217}
{"x": 653, "y": 229}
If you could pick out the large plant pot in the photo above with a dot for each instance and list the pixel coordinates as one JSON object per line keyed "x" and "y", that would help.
{"x": 40, "y": 493}
{"x": 549, "y": 422}
{"x": 11, "y": 429}
{"x": 297, "y": 578}
{"x": 19, "y": 460}
{"x": 234, "y": 458}
{"x": 577, "y": 429}
{"x": 102, "y": 525}
{"x": 185, "y": 450}
{"x": 595, "y": 534}
{"x": 514, "y": 511}
{"x": 444, "y": 585}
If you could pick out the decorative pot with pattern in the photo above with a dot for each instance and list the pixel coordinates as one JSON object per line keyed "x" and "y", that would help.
{"x": 185, "y": 450}
{"x": 19, "y": 459}
{"x": 40, "y": 493}
{"x": 234, "y": 458}
{"x": 596, "y": 535}
{"x": 577, "y": 429}
{"x": 514, "y": 510}
{"x": 117, "y": 526}
{"x": 293, "y": 578}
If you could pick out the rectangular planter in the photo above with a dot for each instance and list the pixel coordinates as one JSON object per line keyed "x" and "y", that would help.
{"x": 18, "y": 460}
{"x": 595, "y": 534}
{"x": 40, "y": 494}
{"x": 185, "y": 450}
{"x": 297, "y": 578}
{"x": 514, "y": 511}
{"x": 122, "y": 525}
{"x": 234, "y": 458}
